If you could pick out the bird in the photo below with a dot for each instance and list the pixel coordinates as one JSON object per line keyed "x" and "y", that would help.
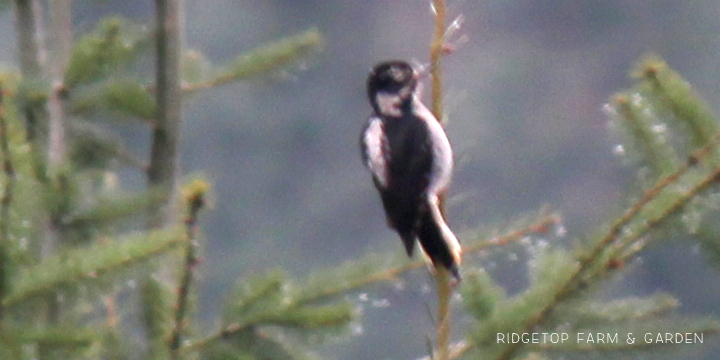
{"x": 408, "y": 154}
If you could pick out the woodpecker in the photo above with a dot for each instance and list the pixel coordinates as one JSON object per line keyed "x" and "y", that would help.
{"x": 410, "y": 159}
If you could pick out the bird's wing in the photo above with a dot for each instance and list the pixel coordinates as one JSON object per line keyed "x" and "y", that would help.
{"x": 373, "y": 146}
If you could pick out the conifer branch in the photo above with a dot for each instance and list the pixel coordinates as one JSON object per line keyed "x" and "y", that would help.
{"x": 157, "y": 306}
{"x": 77, "y": 266}
{"x": 267, "y": 301}
{"x": 61, "y": 335}
{"x": 385, "y": 275}
{"x": 225, "y": 332}
{"x": 633, "y": 115}
{"x": 622, "y": 240}
{"x": 614, "y": 311}
{"x": 677, "y": 95}
{"x": 591, "y": 266}
{"x": 5, "y": 202}
{"x": 648, "y": 196}
{"x": 194, "y": 195}
{"x": 651, "y": 223}
{"x": 265, "y": 58}
{"x": 540, "y": 225}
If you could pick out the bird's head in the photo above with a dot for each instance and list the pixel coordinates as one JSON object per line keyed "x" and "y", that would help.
{"x": 390, "y": 87}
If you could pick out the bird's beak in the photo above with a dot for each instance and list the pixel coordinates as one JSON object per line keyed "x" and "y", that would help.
{"x": 422, "y": 71}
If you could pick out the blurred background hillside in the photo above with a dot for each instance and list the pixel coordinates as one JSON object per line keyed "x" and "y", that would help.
{"x": 524, "y": 99}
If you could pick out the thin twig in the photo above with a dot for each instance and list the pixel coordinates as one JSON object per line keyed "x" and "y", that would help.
{"x": 225, "y": 332}
{"x": 445, "y": 290}
{"x": 195, "y": 201}
{"x": 436, "y": 53}
{"x": 539, "y": 225}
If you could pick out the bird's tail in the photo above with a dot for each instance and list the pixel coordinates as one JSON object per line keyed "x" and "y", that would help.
{"x": 437, "y": 240}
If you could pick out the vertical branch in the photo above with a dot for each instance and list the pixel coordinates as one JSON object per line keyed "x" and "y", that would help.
{"x": 44, "y": 114}
{"x": 28, "y": 21}
{"x": 444, "y": 291}
{"x": 195, "y": 197}
{"x": 164, "y": 153}
{"x": 163, "y": 167}
{"x": 60, "y": 47}
{"x": 44, "y": 123}
{"x": 442, "y": 276}
{"x": 164, "y": 158}
{"x": 32, "y": 57}
{"x": 27, "y": 15}
{"x": 5, "y": 201}
{"x": 436, "y": 53}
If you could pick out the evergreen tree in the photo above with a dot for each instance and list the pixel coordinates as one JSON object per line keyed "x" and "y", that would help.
{"x": 89, "y": 270}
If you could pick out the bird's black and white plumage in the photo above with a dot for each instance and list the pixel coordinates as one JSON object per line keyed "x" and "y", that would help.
{"x": 406, "y": 150}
